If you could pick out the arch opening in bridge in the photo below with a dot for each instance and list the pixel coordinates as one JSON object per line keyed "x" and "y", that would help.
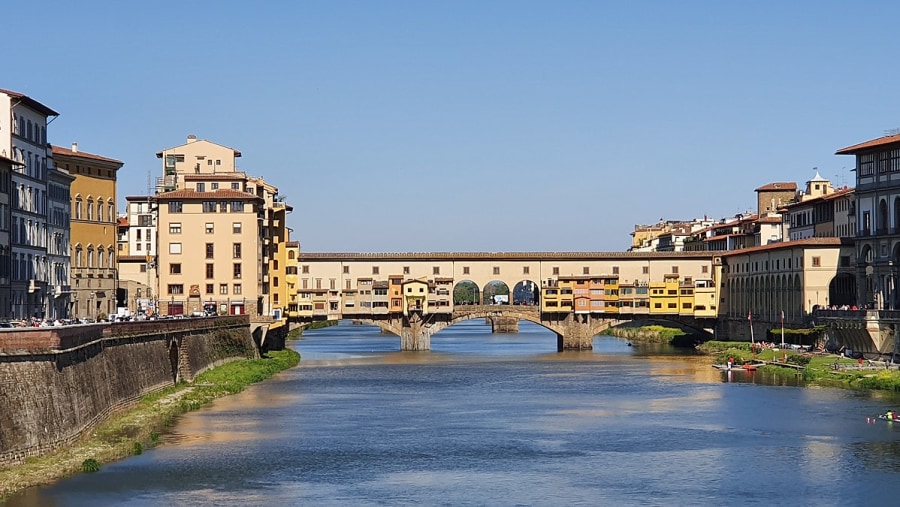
{"x": 496, "y": 292}
{"x": 527, "y": 293}
{"x": 466, "y": 292}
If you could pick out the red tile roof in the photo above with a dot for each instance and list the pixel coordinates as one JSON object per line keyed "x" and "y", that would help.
{"x": 874, "y": 143}
{"x": 30, "y": 102}
{"x": 66, "y": 152}
{"x": 791, "y": 244}
{"x": 122, "y": 222}
{"x": 778, "y": 185}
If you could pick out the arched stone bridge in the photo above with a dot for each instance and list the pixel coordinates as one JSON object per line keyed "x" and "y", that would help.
{"x": 573, "y": 331}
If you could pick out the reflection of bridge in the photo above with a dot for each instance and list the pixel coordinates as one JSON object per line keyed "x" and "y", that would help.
{"x": 573, "y": 331}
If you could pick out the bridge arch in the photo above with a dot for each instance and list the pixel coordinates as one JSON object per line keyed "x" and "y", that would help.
{"x": 526, "y": 292}
{"x": 466, "y": 292}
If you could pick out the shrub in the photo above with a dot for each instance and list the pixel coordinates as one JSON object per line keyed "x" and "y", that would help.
{"x": 90, "y": 465}
{"x": 138, "y": 448}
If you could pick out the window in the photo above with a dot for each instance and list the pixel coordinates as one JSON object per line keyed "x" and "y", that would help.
{"x": 235, "y": 186}
{"x": 210, "y": 270}
{"x": 556, "y": 270}
{"x": 525, "y": 270}
{"x": 275, "y": 282}
{"x": 816, "y": 262}
{"x": 175, "y": 248}
{"x": 210, "y": 228}
{"x": 586, "y": 270}
{"x": 214, "y": 186}
{"x": 175, "y": 269}
{"x": 237, "y": 270}
{"x": 436, "y": 270}
{"x": 496, "y": 270}
{"x": 210, "y": 288}
{"x": 223, "y": 207}
{"x": 306, "y": 269}
{"x": 90, "y": 209}
{"x": 176, "y": 288}
{"x": 405, "y": 270}
{"x": 674, "y": 270}
{"x": 174, "y": 228}
{"x": 236, "y": 250}
{"x": 201, "y": 187}
{"x": 223, "y": 288}
{"x": 209, "y": 206}
{"x": 175, "y": 206}
{"x": 615, "y": 270}
{"x": 374, "y": 270}
{"x": 237, "y": 206}
{"x": 78, "y": 204}
{"x": 346, "y": 270}
{"x": 645, "y": 270}
{"x": 236, "y": 227}
{"x": 210, "y": 250}
{"x": 237, "y": 289}
{"x": 465, "y": 270}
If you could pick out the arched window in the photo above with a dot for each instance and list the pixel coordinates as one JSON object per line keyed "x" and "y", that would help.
{"x": 291, "y": 254}
{"x": 79, "y": 259}
{"x": 90, "y": 256}
{"x": 100, "y": 257}
{"x": 78, "y": 204}
{"x": 112, "y": 212}
{"x": 90, "y": 209}
{"x": 100, "y": 210}
{"x": 112, "y": 260}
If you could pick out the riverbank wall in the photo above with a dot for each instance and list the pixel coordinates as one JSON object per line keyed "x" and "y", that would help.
{"x": 57, "y": 383}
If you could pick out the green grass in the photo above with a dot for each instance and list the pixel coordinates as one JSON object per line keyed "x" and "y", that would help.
{"x": 138, "y": 428}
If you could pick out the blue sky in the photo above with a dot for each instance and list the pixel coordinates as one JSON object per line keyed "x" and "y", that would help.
{"x": 540, "y": 126}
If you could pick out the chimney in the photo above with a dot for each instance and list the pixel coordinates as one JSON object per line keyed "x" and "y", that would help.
{"x": 74, "y": 147}
{"x": 191, "y": 138}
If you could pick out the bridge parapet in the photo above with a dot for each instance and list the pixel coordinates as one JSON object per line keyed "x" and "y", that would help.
{"x": 867, "y": 331}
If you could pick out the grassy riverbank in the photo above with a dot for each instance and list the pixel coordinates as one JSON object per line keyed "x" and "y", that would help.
{"x": 138, "y": 428}
{"x": 827, "y": 370}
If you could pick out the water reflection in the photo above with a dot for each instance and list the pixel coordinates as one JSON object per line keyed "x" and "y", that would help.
{"x": 487, "y": 419}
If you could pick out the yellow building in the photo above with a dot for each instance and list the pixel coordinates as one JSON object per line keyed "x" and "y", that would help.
{"x": 664, "y": 295}
{"x": 94, "y": 230}
{"x": 415, "y": 296}
{"x": 291, "y": 294}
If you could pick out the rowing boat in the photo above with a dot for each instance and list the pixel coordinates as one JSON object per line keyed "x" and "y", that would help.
{"x": 736, "y": 367}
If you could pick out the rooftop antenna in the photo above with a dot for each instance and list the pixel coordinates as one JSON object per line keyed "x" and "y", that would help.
{"x": 149, "y": 185}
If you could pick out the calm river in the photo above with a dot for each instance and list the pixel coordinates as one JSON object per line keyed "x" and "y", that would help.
{"x": 487, "y": 419}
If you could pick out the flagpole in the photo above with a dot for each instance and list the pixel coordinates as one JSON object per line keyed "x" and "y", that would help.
{"x": 750, "y": 318}
{"x": 782, "y": 329}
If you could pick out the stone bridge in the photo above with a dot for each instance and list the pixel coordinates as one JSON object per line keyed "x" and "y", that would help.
{"x": 573, "y": 331}
{"x": 872, "y": 332}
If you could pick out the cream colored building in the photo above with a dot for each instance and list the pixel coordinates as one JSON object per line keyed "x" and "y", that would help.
{"x": 222, "y": 234}
{"x": 793, "y": 277}
{"x": 137, "y": 255}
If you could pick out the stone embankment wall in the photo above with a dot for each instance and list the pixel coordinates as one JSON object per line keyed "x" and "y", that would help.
{"x": 57, "y": 383}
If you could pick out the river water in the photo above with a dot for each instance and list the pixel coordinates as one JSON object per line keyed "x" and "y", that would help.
{"x": 486, "y": 419}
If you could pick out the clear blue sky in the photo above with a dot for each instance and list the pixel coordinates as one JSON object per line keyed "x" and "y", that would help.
{"x": 541, "y": 126}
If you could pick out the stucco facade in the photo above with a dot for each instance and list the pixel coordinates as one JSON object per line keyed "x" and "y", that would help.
{"x": 93, "y": 230}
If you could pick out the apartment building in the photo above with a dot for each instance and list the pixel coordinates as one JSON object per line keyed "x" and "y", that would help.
{"x": 877, "y": 217}
{"x": 136, "y": 253}
{"x": 23, "y": 138}
{"x": 93, "y": 230}
{"x": 222, "y": 234}
{"x": 6, "y": 169}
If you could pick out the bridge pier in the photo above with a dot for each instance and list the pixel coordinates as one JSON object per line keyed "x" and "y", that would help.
{"x": 414, "y": 335}
{"x": 504, "y": 325}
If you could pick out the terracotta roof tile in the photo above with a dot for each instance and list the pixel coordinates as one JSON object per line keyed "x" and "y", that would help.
{"x": 779, "y": 185}
{"x": 791, "y": 244}
{"x": 65, "y": 152}
{"x": 881, "y": 141}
